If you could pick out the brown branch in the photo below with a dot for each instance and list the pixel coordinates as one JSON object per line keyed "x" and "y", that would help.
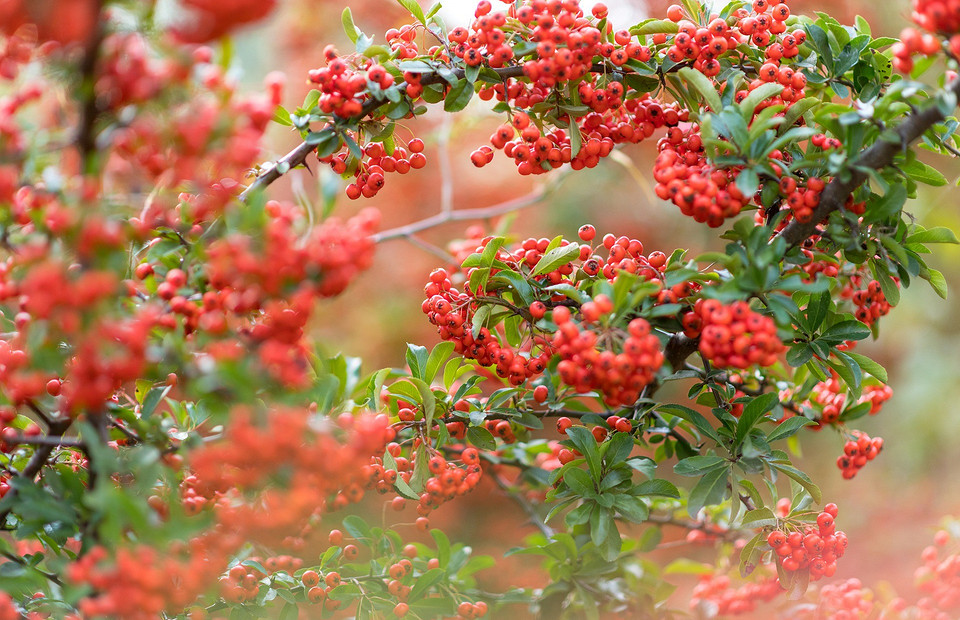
{"x": 39, "y": 459}
{"x": 678, "y": 349}
{"x": 86, "y": 134}
{"x": 877, "y": 157}
{"x": 482, "y": 213}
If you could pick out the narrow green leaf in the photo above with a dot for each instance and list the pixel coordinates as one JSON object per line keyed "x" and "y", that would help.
{"x": 415, "y": 10}
{"x": 702, "y": 85}
{"x": 556, "y": 258}
{"x": 753, "y": 411}
{"x": 697, "y": 465}
{"x": 349, "y": 27}
{"x": 938, "y": 234}
{"x": 788, "y": 428}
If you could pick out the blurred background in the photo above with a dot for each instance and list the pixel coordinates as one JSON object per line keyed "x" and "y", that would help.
{"x": 889, "y": 511}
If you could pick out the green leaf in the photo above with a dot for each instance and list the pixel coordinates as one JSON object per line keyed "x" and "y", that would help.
{"x": 869, "y": 365}
{"x": 788, "y": 428}
{"x": 631, "y": 507}
{"x": 758, "y": 95}
{"x": 349, "y": 27}
{"x": 658, "y": 487}
{"x": 459, "y": 96}
{"x": 698, "y": 465}
{"x": 655, "y": 26}
{"x": 415, "y": 10}
{"x": 938, "y": 282}
{"x": 817, "y": 310}
{"x": 702, "y": 85}
{"x": 481, "y": 438}
{"x": 438, "y": 356}
{"x": 760, "y": 517}
{"x": 443, "y": 546}
{"x": 938, "y": 234}
{"x": 685, "y": 566}
{"x": 795, "y": 111}
{"x": 685, "y": 413}
{"x": 751, "y": 553}
{"x": 710, "y": 490}
{"x": 586, "y": 444}
{"x": 357, "y": 527}
{"x": 153, "y": 398}
{"x": 801, "y": 478}
{"x": 753, "y": 411}
{"x": 556, "y": 258}
{"x": 922, "y": 173}
{"x": 424, "y": 582}
{"x": 845, "y": 330}
{"x": 417, "y": 359}
{"x": 579, "y": 481}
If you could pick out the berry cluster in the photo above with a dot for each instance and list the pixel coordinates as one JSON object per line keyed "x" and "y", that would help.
{"x": 620, "y": 377}
{"x": 685, "y": 177}
{"x": 870, "y": 302}
{"x": 718, "y": 593}
{"x": 377, "y": 162}
{"x": 846, "y": 600}
{"x": 912, "y": 43}
{"x": 856, "y": 452}
{"x": 733, "y": 336}
{"x": 939, "y": 577}
{"x": 814, "y": 548}
{"x": 447, "y": 480}
{"x": 876, "y": 395}
{"x": 612, "y": 122}
{"x": 941, "y": 16}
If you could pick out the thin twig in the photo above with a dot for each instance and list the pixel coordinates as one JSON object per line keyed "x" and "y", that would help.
{"x": 877, "y": 157}
{"x": 527, "y": 507}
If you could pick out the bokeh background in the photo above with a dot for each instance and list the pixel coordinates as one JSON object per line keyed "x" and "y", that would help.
{"x": 889, "y": 511}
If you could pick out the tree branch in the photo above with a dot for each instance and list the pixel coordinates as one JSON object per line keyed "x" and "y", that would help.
{"x": 877, "y": 157}
{"x": 86, "y": 134}
{"x": 40, "y": 457}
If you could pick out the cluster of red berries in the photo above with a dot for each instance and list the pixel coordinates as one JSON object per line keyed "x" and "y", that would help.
{"x": 871, "y": 303}
{"x": 724, "y": 599}
{"x": 620, "y": 377}
{"x": 377, "y": 162}
{"x": 876, "y": 395}
{"x": 241, "y": 583}
{"x": 857, "y": 451}
{"x": 447, "y": 481}
{"x": 327, "y": 257}
{"x": 129, "y": 74}
{"x": 685, "y": 177}
{"x": 812, "y": 267}
{"x": 343, "y": 89}
{"x": 502, "y": 429}
{"x": 733, "y": 336}
{"x": 142, "y": 583}
{"x": 845, "y": 600}
{"x": 567, "y": 41}
{"x": 225, "y": 469}
{"x": 941, "y": 16}
{"x": 912, "y": 43}
{"x": 613, "y": 121}
{"x": 212, "y": 138}
{"x": 318, "y": 587}
{"x": 814, "y": 548}
{"x": 939, "y": 577}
